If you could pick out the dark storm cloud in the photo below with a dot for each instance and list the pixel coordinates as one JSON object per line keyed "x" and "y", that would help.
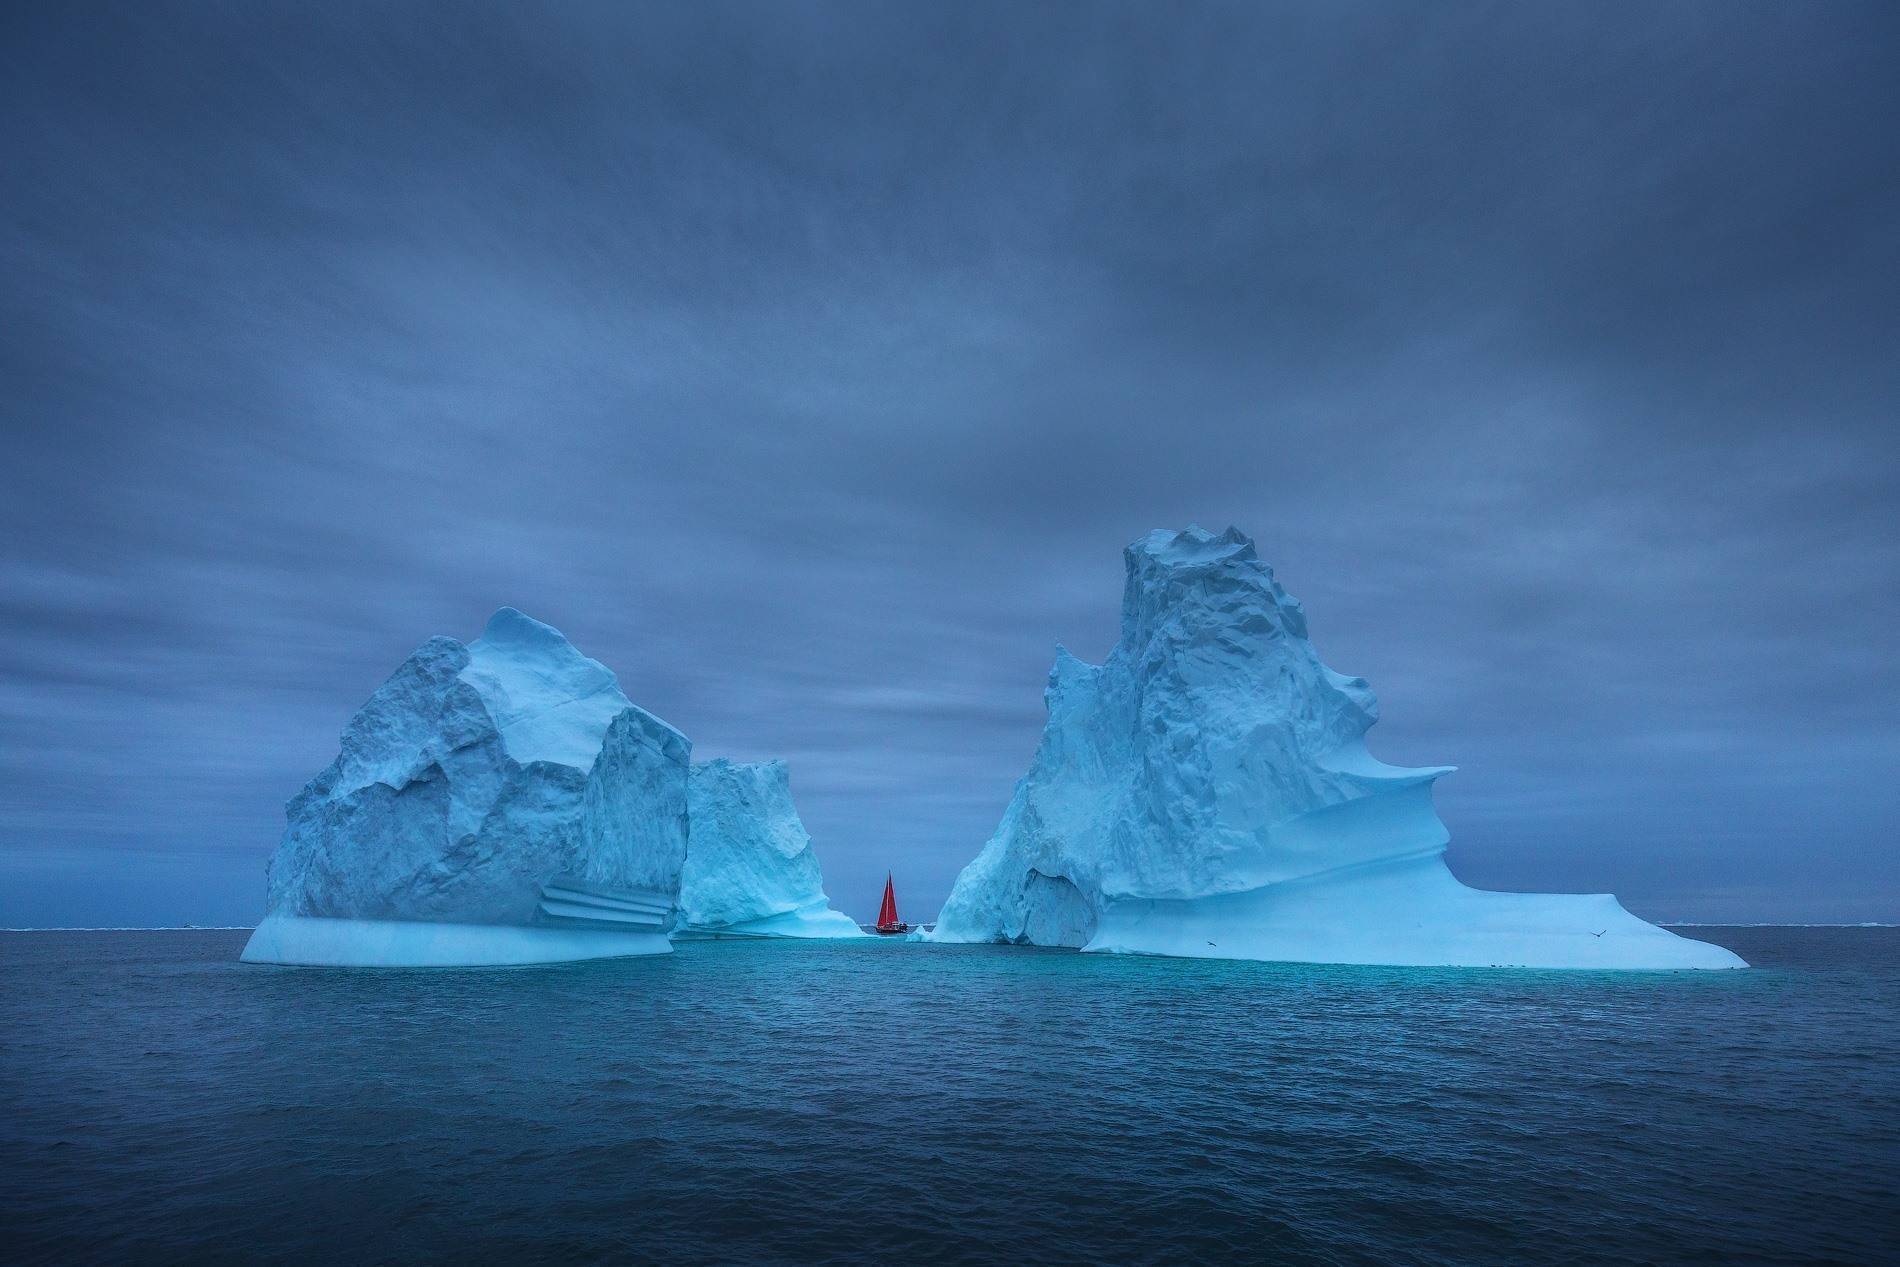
{"x": 810, "y": 365}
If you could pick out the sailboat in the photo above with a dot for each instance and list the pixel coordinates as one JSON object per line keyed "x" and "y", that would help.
{"x": 887, "y": 921}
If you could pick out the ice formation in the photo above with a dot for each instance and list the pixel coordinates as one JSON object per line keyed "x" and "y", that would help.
{"x": 1207, "y": 792}
{"x": 749, "y": 870}
{"x": 499, "y": 802}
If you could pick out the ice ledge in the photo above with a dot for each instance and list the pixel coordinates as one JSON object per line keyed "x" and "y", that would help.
{"x": 310, "y": 941}
{"x": 1405, "y": 913}
{"x": 815, "y": 920}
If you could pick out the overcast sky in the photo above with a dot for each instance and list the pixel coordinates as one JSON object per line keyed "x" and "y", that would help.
{"x": 811, "y": 365}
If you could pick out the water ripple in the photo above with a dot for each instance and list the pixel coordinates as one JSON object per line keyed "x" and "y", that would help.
{"x": 749, "y": 1102}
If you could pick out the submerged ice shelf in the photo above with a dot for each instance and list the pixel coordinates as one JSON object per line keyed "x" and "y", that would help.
{"x": 377, "y": 943}
{"x": 1207, "y": 792}
{"x": 503, "y": 802}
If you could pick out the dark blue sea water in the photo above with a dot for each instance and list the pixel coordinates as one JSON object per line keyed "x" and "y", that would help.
{"x": 883, "y": 1102}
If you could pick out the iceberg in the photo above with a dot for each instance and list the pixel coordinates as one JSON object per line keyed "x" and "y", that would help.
{"x": 1207, "y": 792}
{"x": 750, "y": 870}
{"x": 495, "y": 803}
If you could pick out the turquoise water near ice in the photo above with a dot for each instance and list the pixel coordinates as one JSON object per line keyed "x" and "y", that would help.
{"x": 884, "y": 1102}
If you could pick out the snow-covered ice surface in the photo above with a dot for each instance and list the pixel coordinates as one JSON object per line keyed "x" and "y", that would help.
{"x": 500, "y": 802}
{"x": 750, "y": 870}
{"x": 1207, "y": 792}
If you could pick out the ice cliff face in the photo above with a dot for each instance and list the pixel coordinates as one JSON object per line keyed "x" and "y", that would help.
{"x": 749, "y": 869}
{"x": 1207, "y": 791}
{"x": 503, "y": 784}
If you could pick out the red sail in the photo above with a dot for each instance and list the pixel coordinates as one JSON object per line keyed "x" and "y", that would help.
{"x": 887, "y": 913}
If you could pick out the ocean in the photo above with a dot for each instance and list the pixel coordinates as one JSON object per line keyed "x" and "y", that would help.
{"x": 883, "y": 1102}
